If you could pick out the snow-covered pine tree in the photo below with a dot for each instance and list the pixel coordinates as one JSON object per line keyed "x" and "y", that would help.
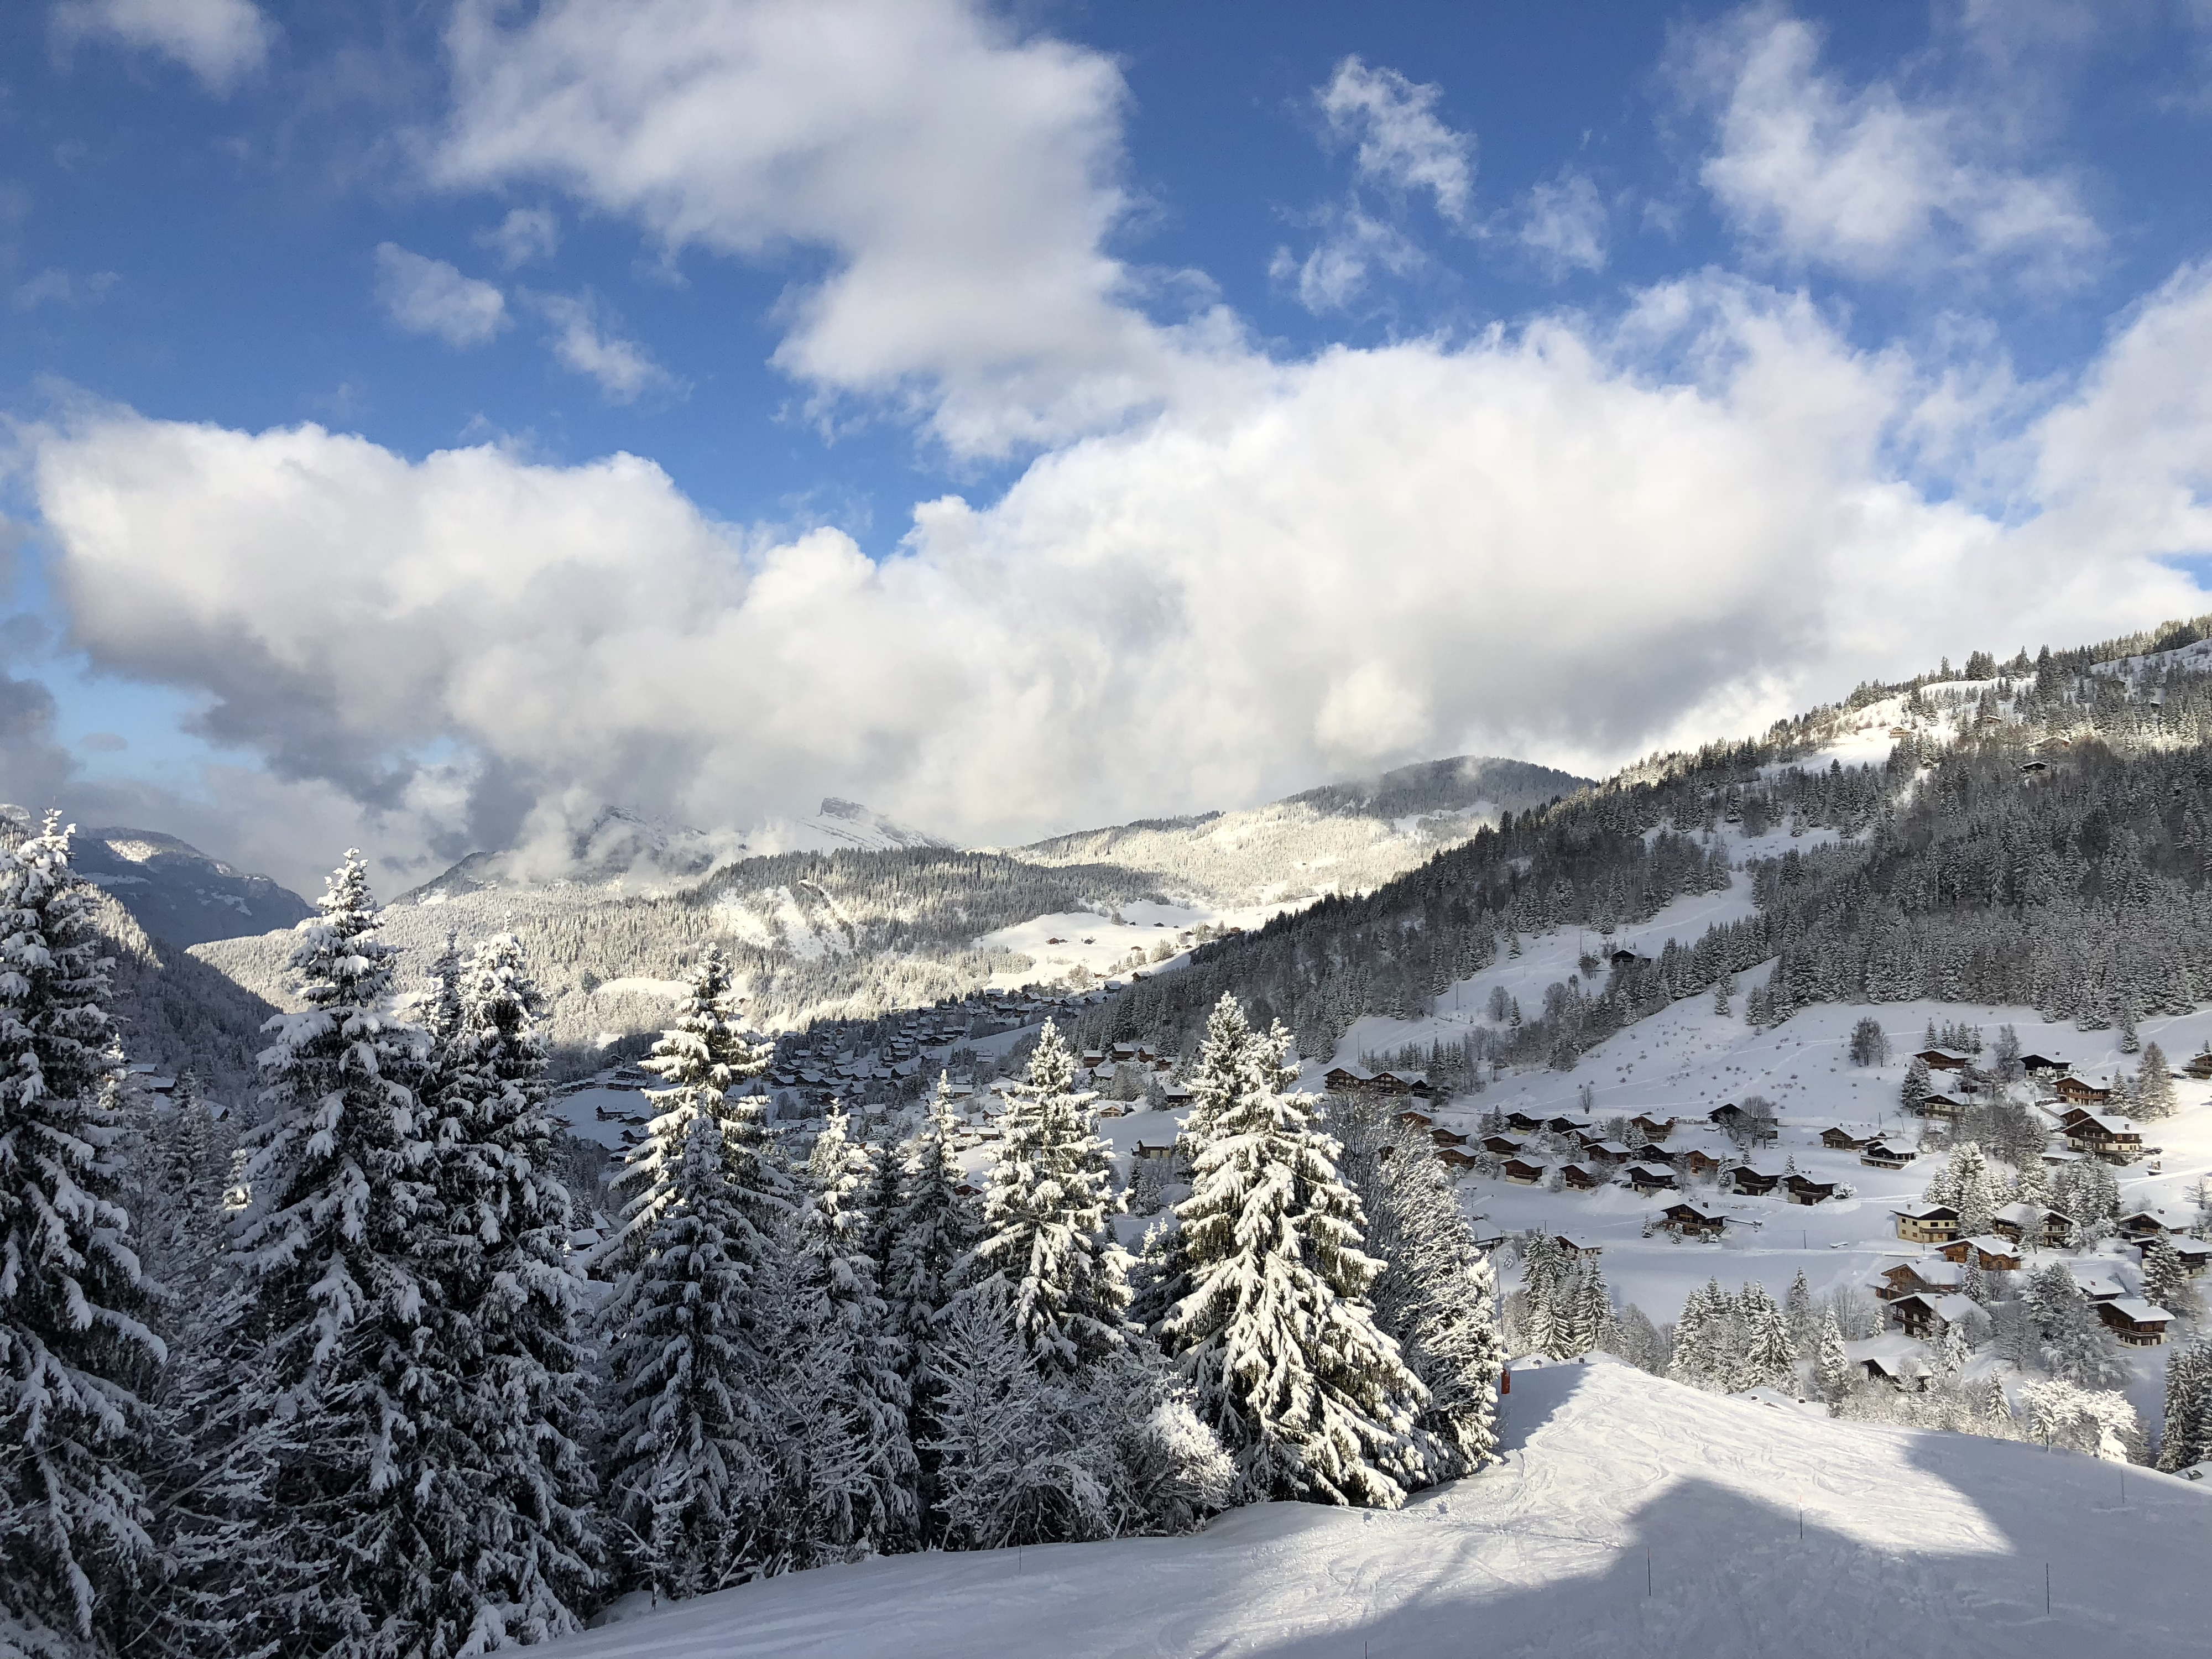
{"x": 1917, "y": 1087}
{"x": 1831, "y": 1369}
{"x": 76, "y": 1352}
{"x": 1589, "y": 1322}
{"x": 2166, "y": 1281}
{"x": 855, "y": 1472}
{"x": 309, "y": 1412}
{"x": 1044, "y": 1233}
{"x": 2078, "y": 1349}
{"x": 1544, "y": 1285}
{"x": 700, "y": 1058}
{"x": 936, "y": 1226}
{"x": 1277, "y": 1335}
{"x": 521, "y": 1551}
{"x": 1770, "y": 1357}
{"x": 1956, "y": 1349}
{"x": 2155, "y": 1090}
{"x": 1437, "y": 1296}
{"x": 696, "y": 1411}
{"x": 2187, "y": 1440}
{"x": 1797, "y": 1309}
{"x": 187, "y": 1230}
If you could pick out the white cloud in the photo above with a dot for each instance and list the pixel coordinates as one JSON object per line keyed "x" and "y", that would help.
{"x": 428, "y": 296}
{"x": 1335, "y": 272}
{"x": 60, "y": 288}
{"x": 221, "y": 41}
{"x": 524, "y": 234}
{"x": 1564, "y": 224}
{"x": 1564, "y": 543}
{"x": 1811, "y": 171}
{"x": 962, "y": 179}
{"x": 624, "y": 369}
{"x": 1401, "y": 144}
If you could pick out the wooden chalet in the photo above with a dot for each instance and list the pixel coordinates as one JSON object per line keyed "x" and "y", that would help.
{"x": 1987, "y": 1251}
{"x": 2140, "y": 1225}
{"x": 2200, "y": 1067}
{"x": 1883, "y": 1155}
{"x": 1803, "y": 1189}
{"x": 1942, "y": 1106}
{"x": 1413, "y": 1120}
{"x": 2194, "y": 1253}
{"x": 1565, "y": 1126}
{"x": 1338, "y": 1079}
{"x": 1577, "y": 1179}
{"x": 2115, "y": 1139}
{"x": 2096, "y": 1281}
{"x": 2072, "y": 1088}
{"x": 1907, "y": 1373}
{"x": 1690, "y": 1221}
{"x": 1927, "y": 1317}
{"x": 1521, "y": 1123}
{"x": 1520, "y": 1172}
{"x": 1936, "y": 1060}
{"x": 1654, "y": 1128}
{"x": 1645, "y": 1180}
{"x": 2030, "y": 1223}
{"x": 1453, "y": 1157}
{"x": 1573, "y": 1248}
{"x": 1500, "y": 1145}
{"x": 1723, "y": 1117}
{"x": 1627, "y": 958}
{"x": 2138, "y": 1324}
{"x": 1840, "y": 1140}
{"x": 1695, "y": 1160}
{"x": 1751, "y": 1182}
{"x": 1607, "y": 1153}
{"x": 2043, "y": 1065}
{"x": 1162, "y": 1151}
{"x": 1929, "y": 1276}
{"x": 1401, "y": 1082}
{"x": 1927, "y": 1224}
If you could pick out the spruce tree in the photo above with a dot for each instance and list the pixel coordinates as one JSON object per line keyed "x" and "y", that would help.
{"x": 857, "y": 1474}
{"x": 2155, "y": 1090}
{"x": 2187, "y": 1439}
{"x": 1769, "y": 1356}
{"x": 76, "y": 1351}
{"x": 1044, "y": 1233}
{"x": 1276, "y": 1335}
{"x": 1797, "y": 1308}
{"x": 2166, "y": 1281}
{"x": 521, "y": 1552}
{"x": 1832, "y": 1370}
{"x": 325, "y": 1374}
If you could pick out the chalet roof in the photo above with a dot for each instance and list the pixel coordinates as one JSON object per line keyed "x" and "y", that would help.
{"x": 2096, "y": 1281}
{"x": 1952, "y": 1306}
{"x": 2026, "y": 1215}
{"x": 1993, "y": 1244}
{"x": 1926, "y": 1213}
{"x": 2141, "y": 1220}
{"x": 1940, "y": 1059}
{"x": 1692, "y": 1212}
{"x": 2136, "y": 1311}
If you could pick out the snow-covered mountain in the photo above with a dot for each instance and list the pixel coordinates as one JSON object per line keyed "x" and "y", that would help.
{"x": 176, "y": 892}
{"x": 1633, "y": 1516}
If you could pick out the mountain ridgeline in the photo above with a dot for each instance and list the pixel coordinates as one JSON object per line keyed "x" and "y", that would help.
{"x": 2038, "y": 835}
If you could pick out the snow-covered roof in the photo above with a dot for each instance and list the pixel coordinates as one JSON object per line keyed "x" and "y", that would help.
{"x": 2136, "y": 1311}
{"x": 1926, "y": 1212}
{"x": 1954, "y": 1307}
{"x": 1994, "y": 1244}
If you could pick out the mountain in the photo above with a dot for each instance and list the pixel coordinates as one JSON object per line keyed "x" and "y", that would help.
{"x": 1633, "y": 1516}
{"x": 176, "y": 892}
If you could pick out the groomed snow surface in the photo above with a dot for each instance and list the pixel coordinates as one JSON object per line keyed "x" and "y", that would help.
{"x": 1633, "y": 1516}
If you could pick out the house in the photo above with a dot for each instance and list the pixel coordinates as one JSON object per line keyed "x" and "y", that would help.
{"x": 1521, "y": 1123}
{"x": 2082, "y": 1094}
{"x": 1401, "y": 1083}
{"x": 1413, "y": 1120}
{"x": 2096, "y": 1281}
{"x": 1453, "y": 1157}
{"x": 1927, "y": 1317}
{"x": 1935, "y": 1060}
{"x": 1575, "y": 1249}
{"x": 1608, "y": 1152}
{"x": 2115, "y": 1139}
{"x": 1162, "y": 1150}
{"x": 1627, "y": 958}
{"x": 1696, "y": 1161}
{"x": 1881, "y": 1155}
{"x": 1931, "y": 1275}
{"x": 1520, "y": 1172}
{"x": 1578, "y": 1179}
{"x": 1722, "y": 1117}
{"x": 1987, "y": 1251}
{"x": 2200, "y": 1067}
{"x": 1840, "y": 1140}
{"x": 1943, "y": 1106}
{"x": 2194, "y": 1253}
{"x": 1653, "y": 1128}
{"x": 1339, "y": 1079}
{"x": 1500, "y": 1145}
{"x": 1927, "y": 1224}
{"x": 1751, "y": 1182}
{"x": 2042, "y": 1066}
{"x": 2030, "y": 1223}
{"x": 1803, "y": 1189}
{"x": 2140, "y": 1225}
{"x": 1894, "y": 1359}
{"x": 1689, "y": 1221}
{"x": 1447, "y": 1138}
{"x": 2138, "y": 1324}
{"x": 1646, "y": 1181}
{"x": 1564, "y": 1125}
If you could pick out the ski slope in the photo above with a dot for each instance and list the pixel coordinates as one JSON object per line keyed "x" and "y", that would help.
{"x": 1633, "y": 1516}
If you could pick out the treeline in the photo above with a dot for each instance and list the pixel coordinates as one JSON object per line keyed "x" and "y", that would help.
{"x": 345, "y": 1394}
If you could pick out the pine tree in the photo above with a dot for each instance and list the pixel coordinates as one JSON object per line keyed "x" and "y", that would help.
{"x": 74, "y": 1348}
{"x": 1277, "y": 1335}
{"x": 1044, "y": 1218}
{"x": 187, "y": 1234}
{"x": 1590, "y": 1323}
{"x": 1917, "y": 1087}
{"x": 2155, "y": 1090}
{"x": 1832, "y": 1370}
{"x": 934, "y": 1229}
{"x": 2166, "y": 1281}
{"x": 1769, "y": 1357}
{"x": 520, "y": 1551}
{"x": 697, "y": 1409}
{"x": 311, "y": 1413}
{"x": 858, "y": 1473}
{"x": 1797, "y": 1309}
{"x": 2187, "y": 1439}
{"x": 702, "y": 1057}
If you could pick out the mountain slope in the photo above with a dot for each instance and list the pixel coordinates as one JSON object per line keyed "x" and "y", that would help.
{"x": 1912, "y": 1542}
{"x": 178, "y": 893}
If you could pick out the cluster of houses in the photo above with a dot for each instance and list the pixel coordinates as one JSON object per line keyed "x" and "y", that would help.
{"x": 2082, "y": 1120}
{"x": 1927, "y": 1296}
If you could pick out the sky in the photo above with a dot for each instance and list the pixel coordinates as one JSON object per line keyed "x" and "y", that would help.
{"x": 423, "y": 425}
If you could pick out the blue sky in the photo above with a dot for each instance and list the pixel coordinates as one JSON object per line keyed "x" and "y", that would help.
{"x": 429, "y": 424}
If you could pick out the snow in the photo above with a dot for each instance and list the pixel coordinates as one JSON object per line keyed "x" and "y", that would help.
{"x": 1911, "y": 1543}
{"x": 1102, "y": 944}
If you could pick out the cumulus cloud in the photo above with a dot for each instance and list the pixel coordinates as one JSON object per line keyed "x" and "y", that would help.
{"x": 1399, "y": 142}
{"x": 428, "y": 296}
{"x": 624, "y": 369}
{"x": 1564, "y": 224}
{"x": 60, "y": 288}
{"x": 1866, "y": 180}
{"x": 962, "y": 177}
{"x": 524, "y": 234}
{"x": 1568, "y": 542}
{"x": 1335, "y": 272}
{"x": 220, "y": 41}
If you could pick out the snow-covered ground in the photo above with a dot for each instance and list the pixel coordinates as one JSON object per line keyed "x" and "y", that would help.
{"x": 1633, "y": 1516}
{"x": 1102, "y": 944}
